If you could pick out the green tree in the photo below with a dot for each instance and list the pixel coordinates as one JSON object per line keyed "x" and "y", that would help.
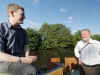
{"x": 55, "y": 36}
{"x": 96, "y": 37}
{"x": 77, "y": 37}
{"x": 34, "y": 38}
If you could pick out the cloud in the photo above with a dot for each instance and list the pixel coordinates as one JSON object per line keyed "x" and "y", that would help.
{"x": 95, "y": 13}
{"x": 3, "y": 6}
{"x": 94, "y": 9}
{"x": 71, "y": 3}
{"x": 33, "y": 24}
{"x": 79, "y": 16}
{"x": 50, "y": 14}
{"x": 35, "y": 2}
{"x": 76, "y": 5}
{"x": 64, "y": 21}
{"x": 70, "y": 19}
{"x": 62, "y": 10}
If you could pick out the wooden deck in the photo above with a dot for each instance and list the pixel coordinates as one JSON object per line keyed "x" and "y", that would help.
{"x": 52, "y": 63}
{"x": 70, "y": 67}
{"x": 54, "y": 71}
{"x": 71, "y": 63}
{"x": 57, "y": 71}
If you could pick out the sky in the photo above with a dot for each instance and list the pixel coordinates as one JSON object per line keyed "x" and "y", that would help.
{"x": 76, "y": 14}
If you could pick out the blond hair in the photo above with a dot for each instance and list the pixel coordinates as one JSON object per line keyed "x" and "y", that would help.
{"x": 13, "y": 7}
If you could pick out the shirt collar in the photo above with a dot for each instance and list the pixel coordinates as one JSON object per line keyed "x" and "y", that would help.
{"x": 90, "y": 41}
{"x": 10, "y": 25}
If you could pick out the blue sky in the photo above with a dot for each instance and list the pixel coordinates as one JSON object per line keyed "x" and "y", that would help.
{"x": 76, "y": 14}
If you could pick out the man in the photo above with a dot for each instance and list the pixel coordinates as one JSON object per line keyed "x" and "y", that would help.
{"x": 88, "y": 53}
{"x": 14, "y": 50}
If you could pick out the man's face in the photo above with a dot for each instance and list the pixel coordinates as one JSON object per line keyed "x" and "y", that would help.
{"x": 85, "y": 35}
{"x": 19, "y": 16}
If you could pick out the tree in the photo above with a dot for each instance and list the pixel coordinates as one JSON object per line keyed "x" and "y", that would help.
{"x": 55, "y": 36}
{"x": 34, "y": 38}
{"x": 77, "y": 37}
{"x": 96, "y": 37}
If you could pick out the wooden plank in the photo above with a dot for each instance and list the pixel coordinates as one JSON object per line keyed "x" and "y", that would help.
{"x": 71, "y": 63}
{"x": 58, "y": 71}
{"x": 52, "y": 63}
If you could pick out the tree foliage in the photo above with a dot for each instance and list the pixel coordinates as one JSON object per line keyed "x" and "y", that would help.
{"x": 96, "y": 37}
{"x": 77, "y": 36}
{"x": 54, "y": 36}
{"x": 34, "y": 38}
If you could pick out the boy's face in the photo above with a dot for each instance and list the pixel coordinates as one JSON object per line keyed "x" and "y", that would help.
{"x": 19, "y": 16}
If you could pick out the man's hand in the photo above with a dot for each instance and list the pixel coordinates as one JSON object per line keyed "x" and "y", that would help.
{"x": 28, "y": 60}
{"x": 79, "y": 61}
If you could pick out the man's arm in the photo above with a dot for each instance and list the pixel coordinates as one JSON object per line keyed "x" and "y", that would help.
{"x": 76, "y": 51}
{"x": 8, "y": 58}
{"x": 26, "y": 50}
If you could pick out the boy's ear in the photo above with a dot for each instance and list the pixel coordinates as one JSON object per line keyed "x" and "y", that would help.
{"x": 12, "y": 13}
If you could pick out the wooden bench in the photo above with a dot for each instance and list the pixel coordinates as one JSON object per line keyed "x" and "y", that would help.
{"x": 71, "y": 63}
{"x": 52, "y": 63}
{"x": 54, "y": 71}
